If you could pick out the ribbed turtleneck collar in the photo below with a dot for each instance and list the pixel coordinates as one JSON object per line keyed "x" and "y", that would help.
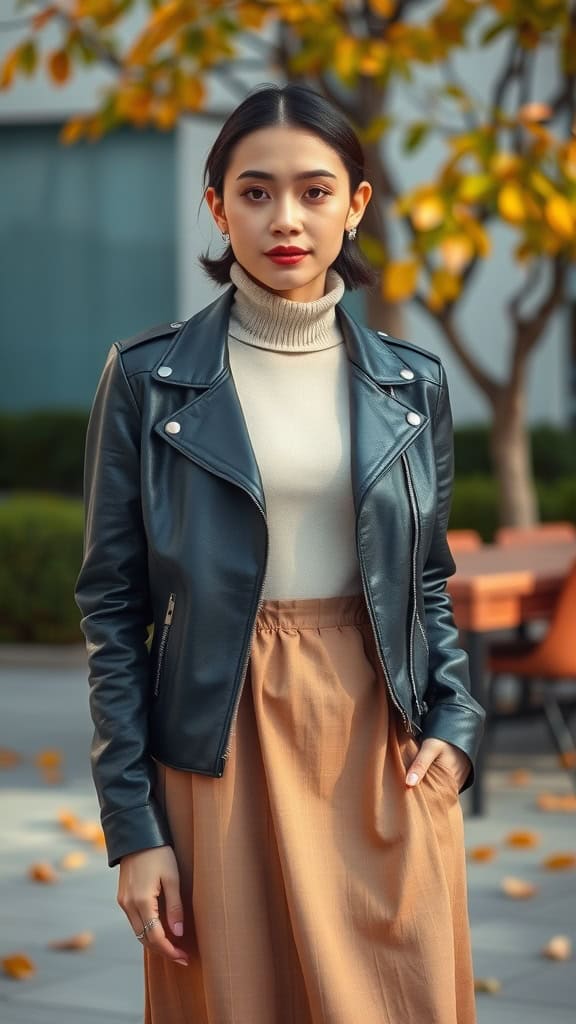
{"x": 261, "y": 318}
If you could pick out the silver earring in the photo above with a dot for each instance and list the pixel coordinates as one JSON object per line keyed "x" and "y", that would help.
{"x": 225, "y": 237}
{"x": 352, "y": 234}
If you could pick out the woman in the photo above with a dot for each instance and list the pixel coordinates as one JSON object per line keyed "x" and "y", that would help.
{"x": 269, "y": 484}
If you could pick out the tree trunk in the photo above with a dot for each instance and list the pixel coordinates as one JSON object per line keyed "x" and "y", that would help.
{"x": 511, "y": 457}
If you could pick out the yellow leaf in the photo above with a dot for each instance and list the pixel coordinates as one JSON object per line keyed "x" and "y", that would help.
{"x": 72, "y": 131}
{"x": 563, "y": 802}
{"x": 474, "y": 187}
{"x": 561, "y": 215}
{"x": 524, "y": 839}
{"x": 457, "y": 251}
{"x": 346, "y": 57}
{"x": 48, "y": 759}
{"x": 504, "y": 165}
{"x": 59, "y": 66}
{"x": 9, "y": 758}
{"x": 535, "y": 111}
{"x": 385, "y": 8}
{"x": 560, "y": 862}
{"x": 445, "y": 285}
{"x": 490, "y": 985}
{"x": 480, "y": 238}
{"x": 251, "y": 15}
{"x": 68, "y": 820}
{"x": 399, "y": 280}
{"x": 192, "y": 93}
{"x": 519, "y": 777}
{"x": 9, "y": 69}
{"x": 511, "y": 204}
{"x": 559, "y": 947}
{"x": 73, "y": 861}
{"x": 165, "y": 114}
{"x": 80, "y": 941}
{"x": 427, "y": 213}
{"x": 518, "y": 888}
{"x": 18, "y": 966}
{"x": 42, "y": 872}
{"x": 482, "y": 854}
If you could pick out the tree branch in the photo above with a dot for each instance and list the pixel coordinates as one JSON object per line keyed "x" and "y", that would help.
{"x": 489, "y": 385}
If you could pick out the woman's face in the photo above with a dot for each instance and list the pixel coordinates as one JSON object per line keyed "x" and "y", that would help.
{"x": 286, "y": 204}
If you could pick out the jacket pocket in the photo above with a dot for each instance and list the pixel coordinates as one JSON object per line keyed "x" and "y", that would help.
{"x": 164, "y": 642}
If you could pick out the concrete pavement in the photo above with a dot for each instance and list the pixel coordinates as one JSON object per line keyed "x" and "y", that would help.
{"x": 43, "y": 706}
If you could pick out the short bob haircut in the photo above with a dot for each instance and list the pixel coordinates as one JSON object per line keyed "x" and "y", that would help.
{"x": 298, "y": 107}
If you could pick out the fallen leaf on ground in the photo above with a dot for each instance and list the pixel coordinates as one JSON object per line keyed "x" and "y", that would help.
{"x": 88, "y": 830}
{"x": 9, "y": 758}
{"x": 18, "y": 966}
{"x": 565, "y": 802}
{"x": 48, "y": 759}
{"x": 68, "y": 820}
{"x": 518, "y": 888}
{"x": 82, "y": 940}
{"x": 523, "y": 839}
{"x": 73, "y": 860}
{"x": 568, "y": 759}
{"x": 482, "y": 854}
{"x": 42, "y": 872}
{"x": 560, "y": 861}
{"x": 520, "y": 777}
{"x": 558, "y": 948}
{"x": 491, "y": 985}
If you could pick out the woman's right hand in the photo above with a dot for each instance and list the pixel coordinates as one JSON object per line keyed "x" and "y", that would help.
{"x": 144, "y": 875}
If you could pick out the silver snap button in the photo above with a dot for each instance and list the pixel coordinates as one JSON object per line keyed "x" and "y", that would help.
{"x": 164, "y": 371}
{"x": 172, "y": 427}
{"x": 407, "y": 374}
{"x": 177, "y": 323}
{"x": 413, "y": 419}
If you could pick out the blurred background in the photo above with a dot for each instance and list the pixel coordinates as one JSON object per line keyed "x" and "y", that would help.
{"x": 467, "y": 113}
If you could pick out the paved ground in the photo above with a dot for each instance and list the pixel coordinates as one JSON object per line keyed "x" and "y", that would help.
{"x": 43, "y": 707}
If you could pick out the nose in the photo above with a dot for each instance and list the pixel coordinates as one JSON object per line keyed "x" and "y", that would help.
{"x": 286, "y": 217}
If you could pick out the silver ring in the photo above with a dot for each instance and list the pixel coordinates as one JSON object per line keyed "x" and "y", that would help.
{"x": 148, "y": 925}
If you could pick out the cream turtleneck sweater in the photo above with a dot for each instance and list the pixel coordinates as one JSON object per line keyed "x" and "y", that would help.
{"x": 290, "y": 368}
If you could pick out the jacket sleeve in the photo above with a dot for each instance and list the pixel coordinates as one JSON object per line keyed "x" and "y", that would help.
{"x": 113, "y": 596}
{"x": 452, "y": 715}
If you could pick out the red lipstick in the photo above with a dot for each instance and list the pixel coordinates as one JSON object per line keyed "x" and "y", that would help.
{"x": 286, "y": 255}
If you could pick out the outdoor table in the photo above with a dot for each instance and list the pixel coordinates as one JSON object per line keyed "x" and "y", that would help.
{"x": 498, "y": 587}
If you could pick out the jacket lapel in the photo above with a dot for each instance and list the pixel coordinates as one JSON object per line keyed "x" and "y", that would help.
{"x": 212, "y": 431}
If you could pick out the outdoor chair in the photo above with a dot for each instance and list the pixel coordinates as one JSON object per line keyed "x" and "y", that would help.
{"x": 464, "y": 540}
{"x": 547, "y": 662}
{"x": 546, "y": 532}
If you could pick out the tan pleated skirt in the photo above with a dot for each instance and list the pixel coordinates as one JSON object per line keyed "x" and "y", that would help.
{"x": 318, "y": 888}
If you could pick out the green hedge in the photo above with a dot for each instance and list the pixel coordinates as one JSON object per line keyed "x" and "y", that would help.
{"x": 45, "y": 451}
{"x": 41, "y": 551}
{"x": 42, "y": 451}
{"x": 40, "y": 555}
{"x": 475, "y": 503}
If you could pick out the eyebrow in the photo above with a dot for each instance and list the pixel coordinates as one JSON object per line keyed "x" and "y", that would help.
{"x": 265, "y": 176}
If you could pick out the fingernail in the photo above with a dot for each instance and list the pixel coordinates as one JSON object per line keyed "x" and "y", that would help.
{"x": 183, "y": 963}
{"x": 178, "y": 928}
{"x": 412, "y": 778}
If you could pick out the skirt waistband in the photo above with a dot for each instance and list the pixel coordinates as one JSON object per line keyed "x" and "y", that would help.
{"x": 312, "y": 612}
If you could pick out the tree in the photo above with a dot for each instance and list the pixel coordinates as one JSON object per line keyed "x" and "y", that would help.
{"x": 510, "y": 154}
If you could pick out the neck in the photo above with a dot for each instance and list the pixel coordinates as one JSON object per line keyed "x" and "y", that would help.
{"x": 262, "y": 318}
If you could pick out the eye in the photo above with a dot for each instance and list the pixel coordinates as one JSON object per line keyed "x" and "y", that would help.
{"x": 256, "y": 194}
{"x": 315, "y": 192}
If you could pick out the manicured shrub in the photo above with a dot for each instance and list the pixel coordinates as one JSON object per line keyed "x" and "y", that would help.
{"x": 42, "y": 451}
{"x": 40, "y": 555}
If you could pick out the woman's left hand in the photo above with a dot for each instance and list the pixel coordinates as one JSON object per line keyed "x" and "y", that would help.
{"x": 451, "y": 757}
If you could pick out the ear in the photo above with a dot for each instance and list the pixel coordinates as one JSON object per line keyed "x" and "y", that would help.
{"x": 358, "y": 204}
{"x": 216, "y": 206}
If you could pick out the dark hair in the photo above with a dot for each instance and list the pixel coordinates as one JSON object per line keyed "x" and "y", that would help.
{"x": 296, "y": 106}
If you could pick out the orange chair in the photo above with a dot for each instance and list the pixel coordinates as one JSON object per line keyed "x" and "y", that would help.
{"x": 515, "y": 536}
{"x": 549, "y": 661}
{"x": 464, "y": 540}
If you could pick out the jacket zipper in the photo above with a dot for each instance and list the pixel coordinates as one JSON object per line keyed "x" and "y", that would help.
{"x": 248, "y": 648}
{"x": 414, "y": 563}
{"x": 164, "y": 641}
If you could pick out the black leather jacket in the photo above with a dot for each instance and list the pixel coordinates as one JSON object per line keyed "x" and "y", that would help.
{"x": 176, "y": 536}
